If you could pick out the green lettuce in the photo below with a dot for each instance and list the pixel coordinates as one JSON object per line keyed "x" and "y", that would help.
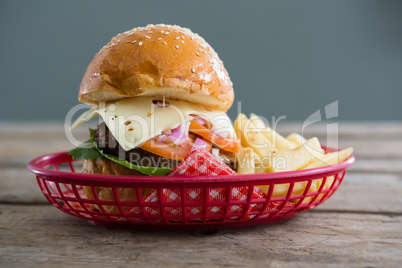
{"x": 86, "y": 150}
{"x": 89, "y": 150}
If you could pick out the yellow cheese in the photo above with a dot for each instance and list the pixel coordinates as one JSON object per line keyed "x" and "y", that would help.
{"x": 86, "y": 116}
{"x": 133, "y": 121}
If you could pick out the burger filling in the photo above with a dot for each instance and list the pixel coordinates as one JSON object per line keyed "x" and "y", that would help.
{"x": 162, "y": 154}
{"x": 153, "y": 135}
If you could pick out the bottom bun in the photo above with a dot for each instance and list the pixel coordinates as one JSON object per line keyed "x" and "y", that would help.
{"x": 107, "y": 167}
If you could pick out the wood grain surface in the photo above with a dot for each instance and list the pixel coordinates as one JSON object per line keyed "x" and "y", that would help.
{"x": 359, "y": 226}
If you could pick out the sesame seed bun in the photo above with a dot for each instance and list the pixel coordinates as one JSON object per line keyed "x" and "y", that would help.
{"x": 158, "y": 60}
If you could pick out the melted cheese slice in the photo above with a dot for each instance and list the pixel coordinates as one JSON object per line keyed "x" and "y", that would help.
{"x": 133, "y": 121}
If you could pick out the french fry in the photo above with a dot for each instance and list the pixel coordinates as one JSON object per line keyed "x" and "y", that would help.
{"x": 297, "y": 158}
{"x": 328, "y": 184}
{"x": 276, "y": 139}
{"x": 249, "y": 137}
{"x": 239, "y": 125}
{"x": 326, "y": 160}
{"x": 260, "y": 144}
{"x": 245, "y": 161}
{"x": 296, "y": 139}
{"x": 257, "y": 121}
{"x": 282, "y": 154}
{"x": 260, "y": 166}
{"x": 281, "y": 190}
{"x": 330, "y": 159}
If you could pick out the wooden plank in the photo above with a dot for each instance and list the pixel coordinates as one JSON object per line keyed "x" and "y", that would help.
{"x": 364, "y": 149}
{"x": 374, "y": 149}
{"x": 367, "y": 192}
{"x": 17, "y": 141}
{"x": 20, "y": 186}
{"x": 387, "y": 153}
{"x": 40, "y": 235}
{"x": 20, "y": 148}
{"x": 379, "y": 166}
{"x": 366, "y": 158}
{"x": 20, "y": 143}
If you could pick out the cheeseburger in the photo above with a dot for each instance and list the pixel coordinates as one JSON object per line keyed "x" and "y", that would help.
{"x": 160, "y": 91}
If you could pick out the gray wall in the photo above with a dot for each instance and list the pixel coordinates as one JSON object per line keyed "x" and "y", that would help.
{"x": 284, "y": 57}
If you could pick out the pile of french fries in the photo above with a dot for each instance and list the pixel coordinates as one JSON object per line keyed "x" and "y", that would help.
{"x": 263, "y": 150}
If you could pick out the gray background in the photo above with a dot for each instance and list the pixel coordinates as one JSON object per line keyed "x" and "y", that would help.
{"x": 284, "y": 57}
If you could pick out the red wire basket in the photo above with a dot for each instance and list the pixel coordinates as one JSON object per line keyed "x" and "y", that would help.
{"x": 183, "y": 202}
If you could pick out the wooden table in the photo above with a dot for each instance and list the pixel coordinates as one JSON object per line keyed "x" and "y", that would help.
{"x": 359, "y": 226}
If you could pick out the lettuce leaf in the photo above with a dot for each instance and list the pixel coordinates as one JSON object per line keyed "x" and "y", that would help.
{"x": 85, "y": 150}
{"x": 89, "y": 150}
{"x": 150, "y": 171}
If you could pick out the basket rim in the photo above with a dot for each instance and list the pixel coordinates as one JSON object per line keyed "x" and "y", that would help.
{"x": 36, "y": 166}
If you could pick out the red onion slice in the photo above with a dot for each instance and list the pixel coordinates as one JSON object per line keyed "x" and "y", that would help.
{"x": 179, "y": 134}
{"x": 199, "y": 119}
{"x": 199, "y": 144}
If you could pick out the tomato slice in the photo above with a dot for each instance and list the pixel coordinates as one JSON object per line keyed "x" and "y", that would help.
{"x": 170, "y": 150}
{"x": 205, "y": 132}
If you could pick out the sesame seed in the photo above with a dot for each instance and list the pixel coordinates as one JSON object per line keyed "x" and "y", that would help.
{"x": 135, "y": 41}
{"x": 177, "y": 46}
{"x": 167, "y": 33}
{"x": 182, "y": 37}
{"x": 140, "y": 43}
{"x": 196, "y": 53}
{"x": 182, "y": 41}
{"x": 164, "y": 42}
{"x": 192, "y": 37}
{"x": 162, "y": 31}
{"x": 147, "y": 37}
{"x": 160, "y": 38}
{"x": 178, "y": 37}
{"x": 200, "y": 50}
{"x": 192, "y": 70}
{"x": 205, "y": 52}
